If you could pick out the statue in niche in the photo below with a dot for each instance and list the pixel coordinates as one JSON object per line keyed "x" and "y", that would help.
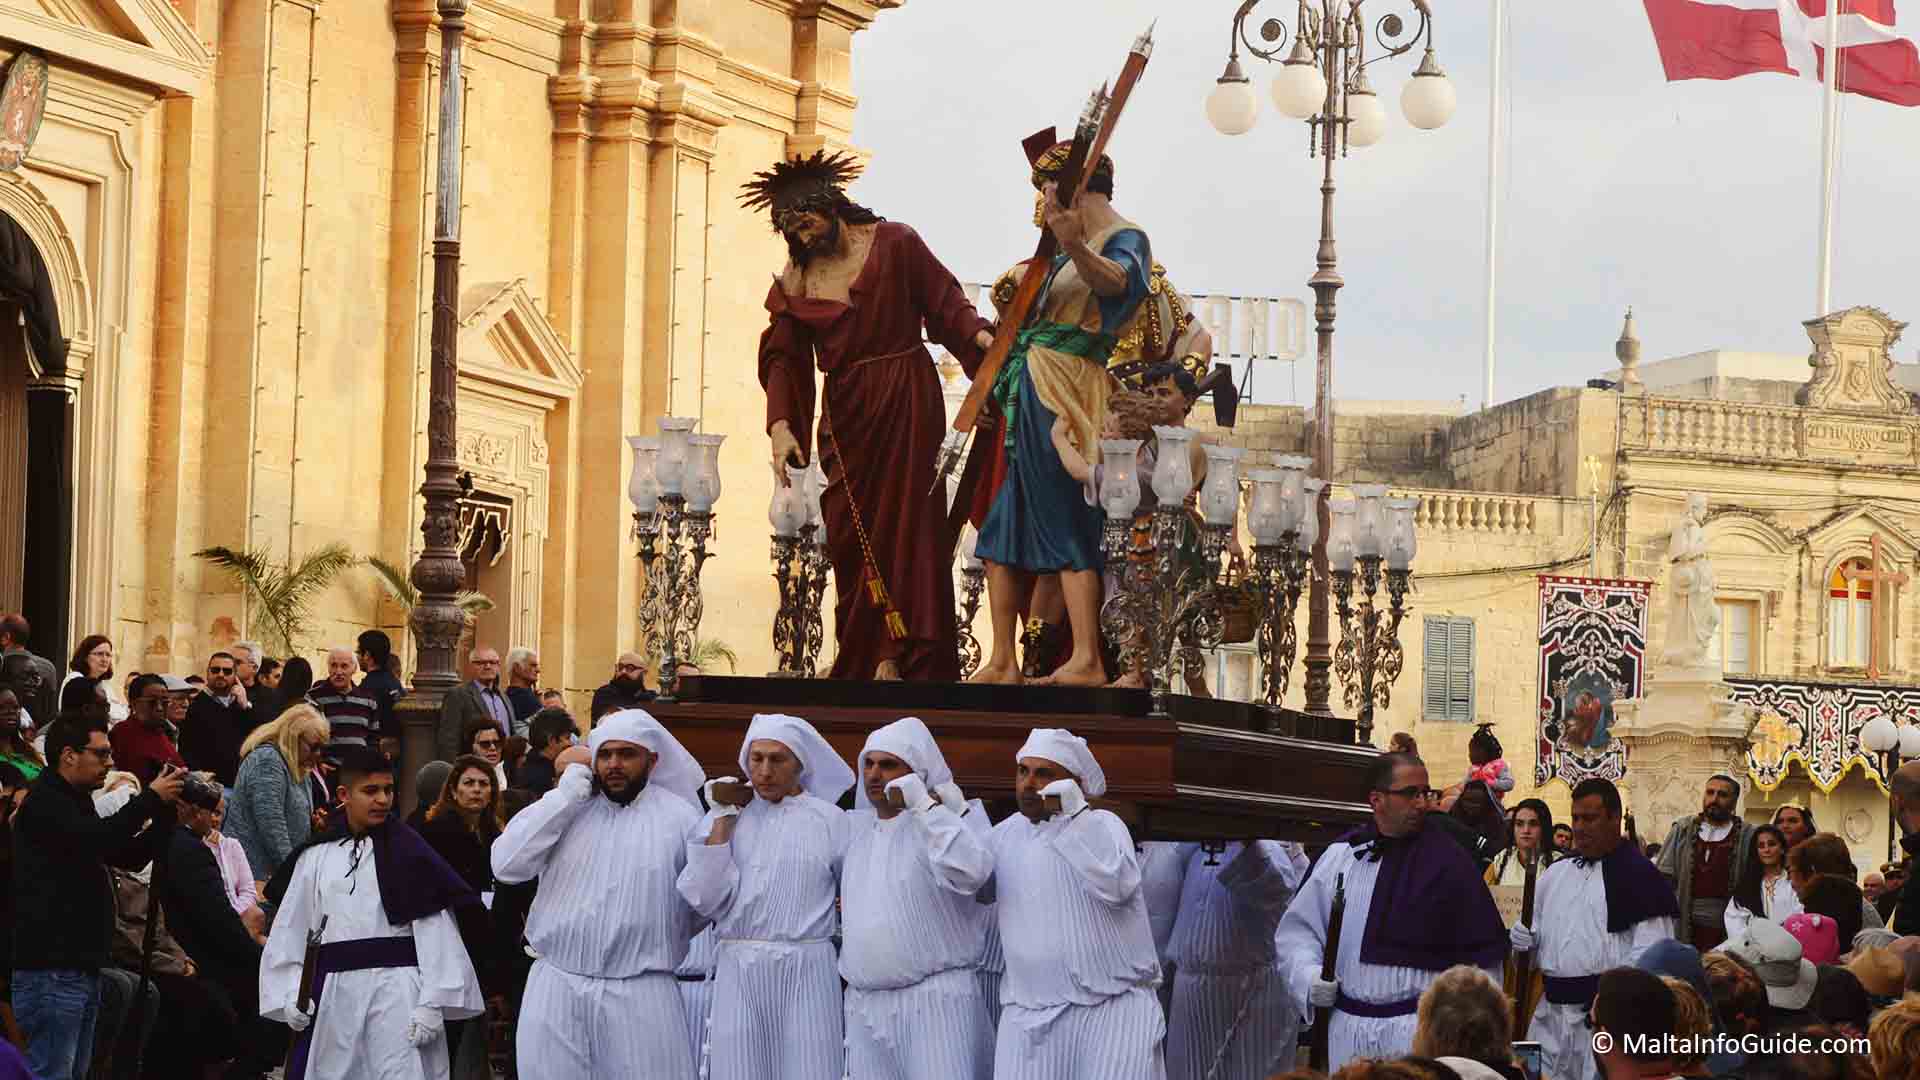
{"x": 1692, "y": 618}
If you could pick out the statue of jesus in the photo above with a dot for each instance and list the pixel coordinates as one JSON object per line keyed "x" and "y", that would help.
{"x": 1692, "y": 617}
{"x": 853, "y": 298}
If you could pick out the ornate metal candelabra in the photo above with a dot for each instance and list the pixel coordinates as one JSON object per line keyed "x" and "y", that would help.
{"x": 801, "y": 560}
{"x": 1367, "y": 531}
{"x": 675, "y": 482}
{"x": 973, "y": 578}
{"x": 1324, "y": 82}
{"x": 1280, "y": 516}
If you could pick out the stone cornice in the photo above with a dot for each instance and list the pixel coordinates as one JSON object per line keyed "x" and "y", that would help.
{"x": 175, "y": 63}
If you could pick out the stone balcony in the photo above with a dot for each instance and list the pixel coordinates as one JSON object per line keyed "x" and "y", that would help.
{"x": 1739, "y": 431}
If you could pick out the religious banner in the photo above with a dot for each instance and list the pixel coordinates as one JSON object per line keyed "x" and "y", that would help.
{"x": 1593, "y": 641}
{"x": 1818, "y": 725}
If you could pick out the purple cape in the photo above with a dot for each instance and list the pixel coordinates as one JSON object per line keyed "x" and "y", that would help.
{"x": 415, "y": 881}
{"x": 1635, "y": 889}
{"x": 1431, "y": 908}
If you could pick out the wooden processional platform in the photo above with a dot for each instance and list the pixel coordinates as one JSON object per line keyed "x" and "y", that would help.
{"x": 1211, "y": 771}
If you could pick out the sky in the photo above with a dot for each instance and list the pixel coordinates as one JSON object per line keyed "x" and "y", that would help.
{"x": 1695, "y": 203}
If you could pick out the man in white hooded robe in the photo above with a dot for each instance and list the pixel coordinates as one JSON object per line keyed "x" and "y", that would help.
{"x": 913, "y": 932}
{"x": 768, "y": 874}
{"x": 382, "y": 989}
{"x": 1079, "y": 999}
{"x": 1231, "y": 1016}
{"x": 609, "y": 926}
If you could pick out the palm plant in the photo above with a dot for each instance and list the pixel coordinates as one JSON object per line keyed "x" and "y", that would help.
{"x": 707, "y": 651}
{"x": 399, "y": 588}
{"x": 281, "y": 594}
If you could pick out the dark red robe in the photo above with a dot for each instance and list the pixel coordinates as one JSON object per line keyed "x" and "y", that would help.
{"x": 880, "y": 433}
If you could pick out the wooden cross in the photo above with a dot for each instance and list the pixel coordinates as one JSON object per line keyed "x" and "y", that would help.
{"x": 1875, "y": 579}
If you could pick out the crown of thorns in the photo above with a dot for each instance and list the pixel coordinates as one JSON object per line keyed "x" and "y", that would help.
{"x": 798, "y": 181}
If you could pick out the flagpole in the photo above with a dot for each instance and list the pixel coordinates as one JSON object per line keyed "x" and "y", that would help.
{"x": 1494, "y": 100}
{"x": 1829, "y": 136}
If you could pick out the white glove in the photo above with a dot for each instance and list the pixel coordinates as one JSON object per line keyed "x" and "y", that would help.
{"x": 1322, "y": 994}
{"x": 951, "y": 796}
{"x": 719, "y": 808}
{"x": 576, "y": 782}
{"x": 1521, "y": 937}
{"x": 424, "y": 1025}
{"x": 298, "y": 1020}
{"x": 913, "y": 792}
{"x": 1072, "y": 801}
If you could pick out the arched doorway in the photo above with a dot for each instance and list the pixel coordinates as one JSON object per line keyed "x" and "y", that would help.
{"x": 36, "y": 446}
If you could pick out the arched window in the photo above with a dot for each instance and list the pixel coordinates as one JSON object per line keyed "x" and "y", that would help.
{"x": 1849, "y": 615}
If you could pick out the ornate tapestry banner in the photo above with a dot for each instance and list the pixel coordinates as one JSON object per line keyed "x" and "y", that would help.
{"x": 1818, "y": 725}
{"x": 1593, "y": 640}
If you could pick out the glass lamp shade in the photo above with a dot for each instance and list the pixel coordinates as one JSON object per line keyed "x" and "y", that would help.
{"x": 1428, "y": 101}
{"x": 969, "y": 558}
{"x": 1299, "y": 90}
{"x": 1293, "y": 474}
{"x": 1369, "y": 519}
{"x": 1233, "y": 107}
{"x": 1401, "y": 543}
{"x": 1340, "y": 531}
{"x": 1909, "y": 741}
{"x": 1120, "y": 478}
{"x": 788, "y": 510}
{"x": 703, "y": 472}
{"x": 1220, "y": 493}
{"x": 670, "y": 468}
{"x": 642, "y": 489}
{"x": 1368, "y": 116}
{"x": 1879, "y": 735}
{"x": 1310, "y": 490}
{"x": 1266, "y": 506}
{"x": 1173, "y": 470}
{"x": 797, "y": 478}
{"x": 816, "y": 487}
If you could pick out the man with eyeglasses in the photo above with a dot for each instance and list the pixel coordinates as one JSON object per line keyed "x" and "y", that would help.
{"x": 1594, "y": 912}
{"x": 626, "y": 690}
{"x": 218, "y": 721}
{"x": 479, "y": 699}
{"x": 63, "y": 900}
{"x": 144, "y": 743}
{"x": 1415, "y": 906}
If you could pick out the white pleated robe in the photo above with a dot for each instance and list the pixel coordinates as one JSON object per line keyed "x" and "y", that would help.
{"x": 609, "y": 927}
{"x": 359, "y": 1029}
{"x": 1230, "y": 1004}
{"x": 1571, "y": 939}
{"x": 770, "y": 892}
{"x": 1078, "y": 1000}
{"x": 695, "y": 976}
{"x": 913, "y": 935}
{"x": 1301, "y": 944}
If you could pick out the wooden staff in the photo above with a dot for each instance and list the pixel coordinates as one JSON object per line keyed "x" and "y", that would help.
{"x": 1329, "y": 965}
{"x": 1523, "y": 962}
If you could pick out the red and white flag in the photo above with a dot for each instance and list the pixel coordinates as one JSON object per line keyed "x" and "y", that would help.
{"x": 1731, "y": 38}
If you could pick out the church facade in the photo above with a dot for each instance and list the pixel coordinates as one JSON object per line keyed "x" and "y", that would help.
{"x": 232, "y": 201}
{"x": 1561, "y": 505}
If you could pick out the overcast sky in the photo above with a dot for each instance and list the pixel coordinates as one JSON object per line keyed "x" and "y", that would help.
{"x": 1696, "y": 203}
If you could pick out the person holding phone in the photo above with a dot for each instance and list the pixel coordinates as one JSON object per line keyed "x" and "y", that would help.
{"x": 764, "y": 865}
{"x": 1597, "y": 911}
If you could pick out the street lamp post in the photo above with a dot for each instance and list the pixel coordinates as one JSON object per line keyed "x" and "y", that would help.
{"x": 1892, "y": 742}
{"x": 436, "y": 620}
{"x": 1324, "y": 82}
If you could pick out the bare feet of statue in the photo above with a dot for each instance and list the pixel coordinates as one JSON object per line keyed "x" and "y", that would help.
{"x": 1000, "y": 671}
{"x": 1132, "y": 680}
{"x": 886, "y": 671}
{"x": 1077, "y": 672}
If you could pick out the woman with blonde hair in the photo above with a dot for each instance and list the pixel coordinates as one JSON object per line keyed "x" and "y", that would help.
{"x": 272, "y": 808}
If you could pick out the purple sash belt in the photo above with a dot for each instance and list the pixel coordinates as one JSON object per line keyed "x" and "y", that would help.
{"x": 1385, "y": 1010}
{"x": 359, "y": 954}
{"x": 1572, "y": 989}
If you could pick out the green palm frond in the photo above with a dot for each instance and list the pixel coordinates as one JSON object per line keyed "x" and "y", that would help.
{"x": 473, "y": 602}
{"x": 396, "y": 582}
{"x": 710, "y": 650}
